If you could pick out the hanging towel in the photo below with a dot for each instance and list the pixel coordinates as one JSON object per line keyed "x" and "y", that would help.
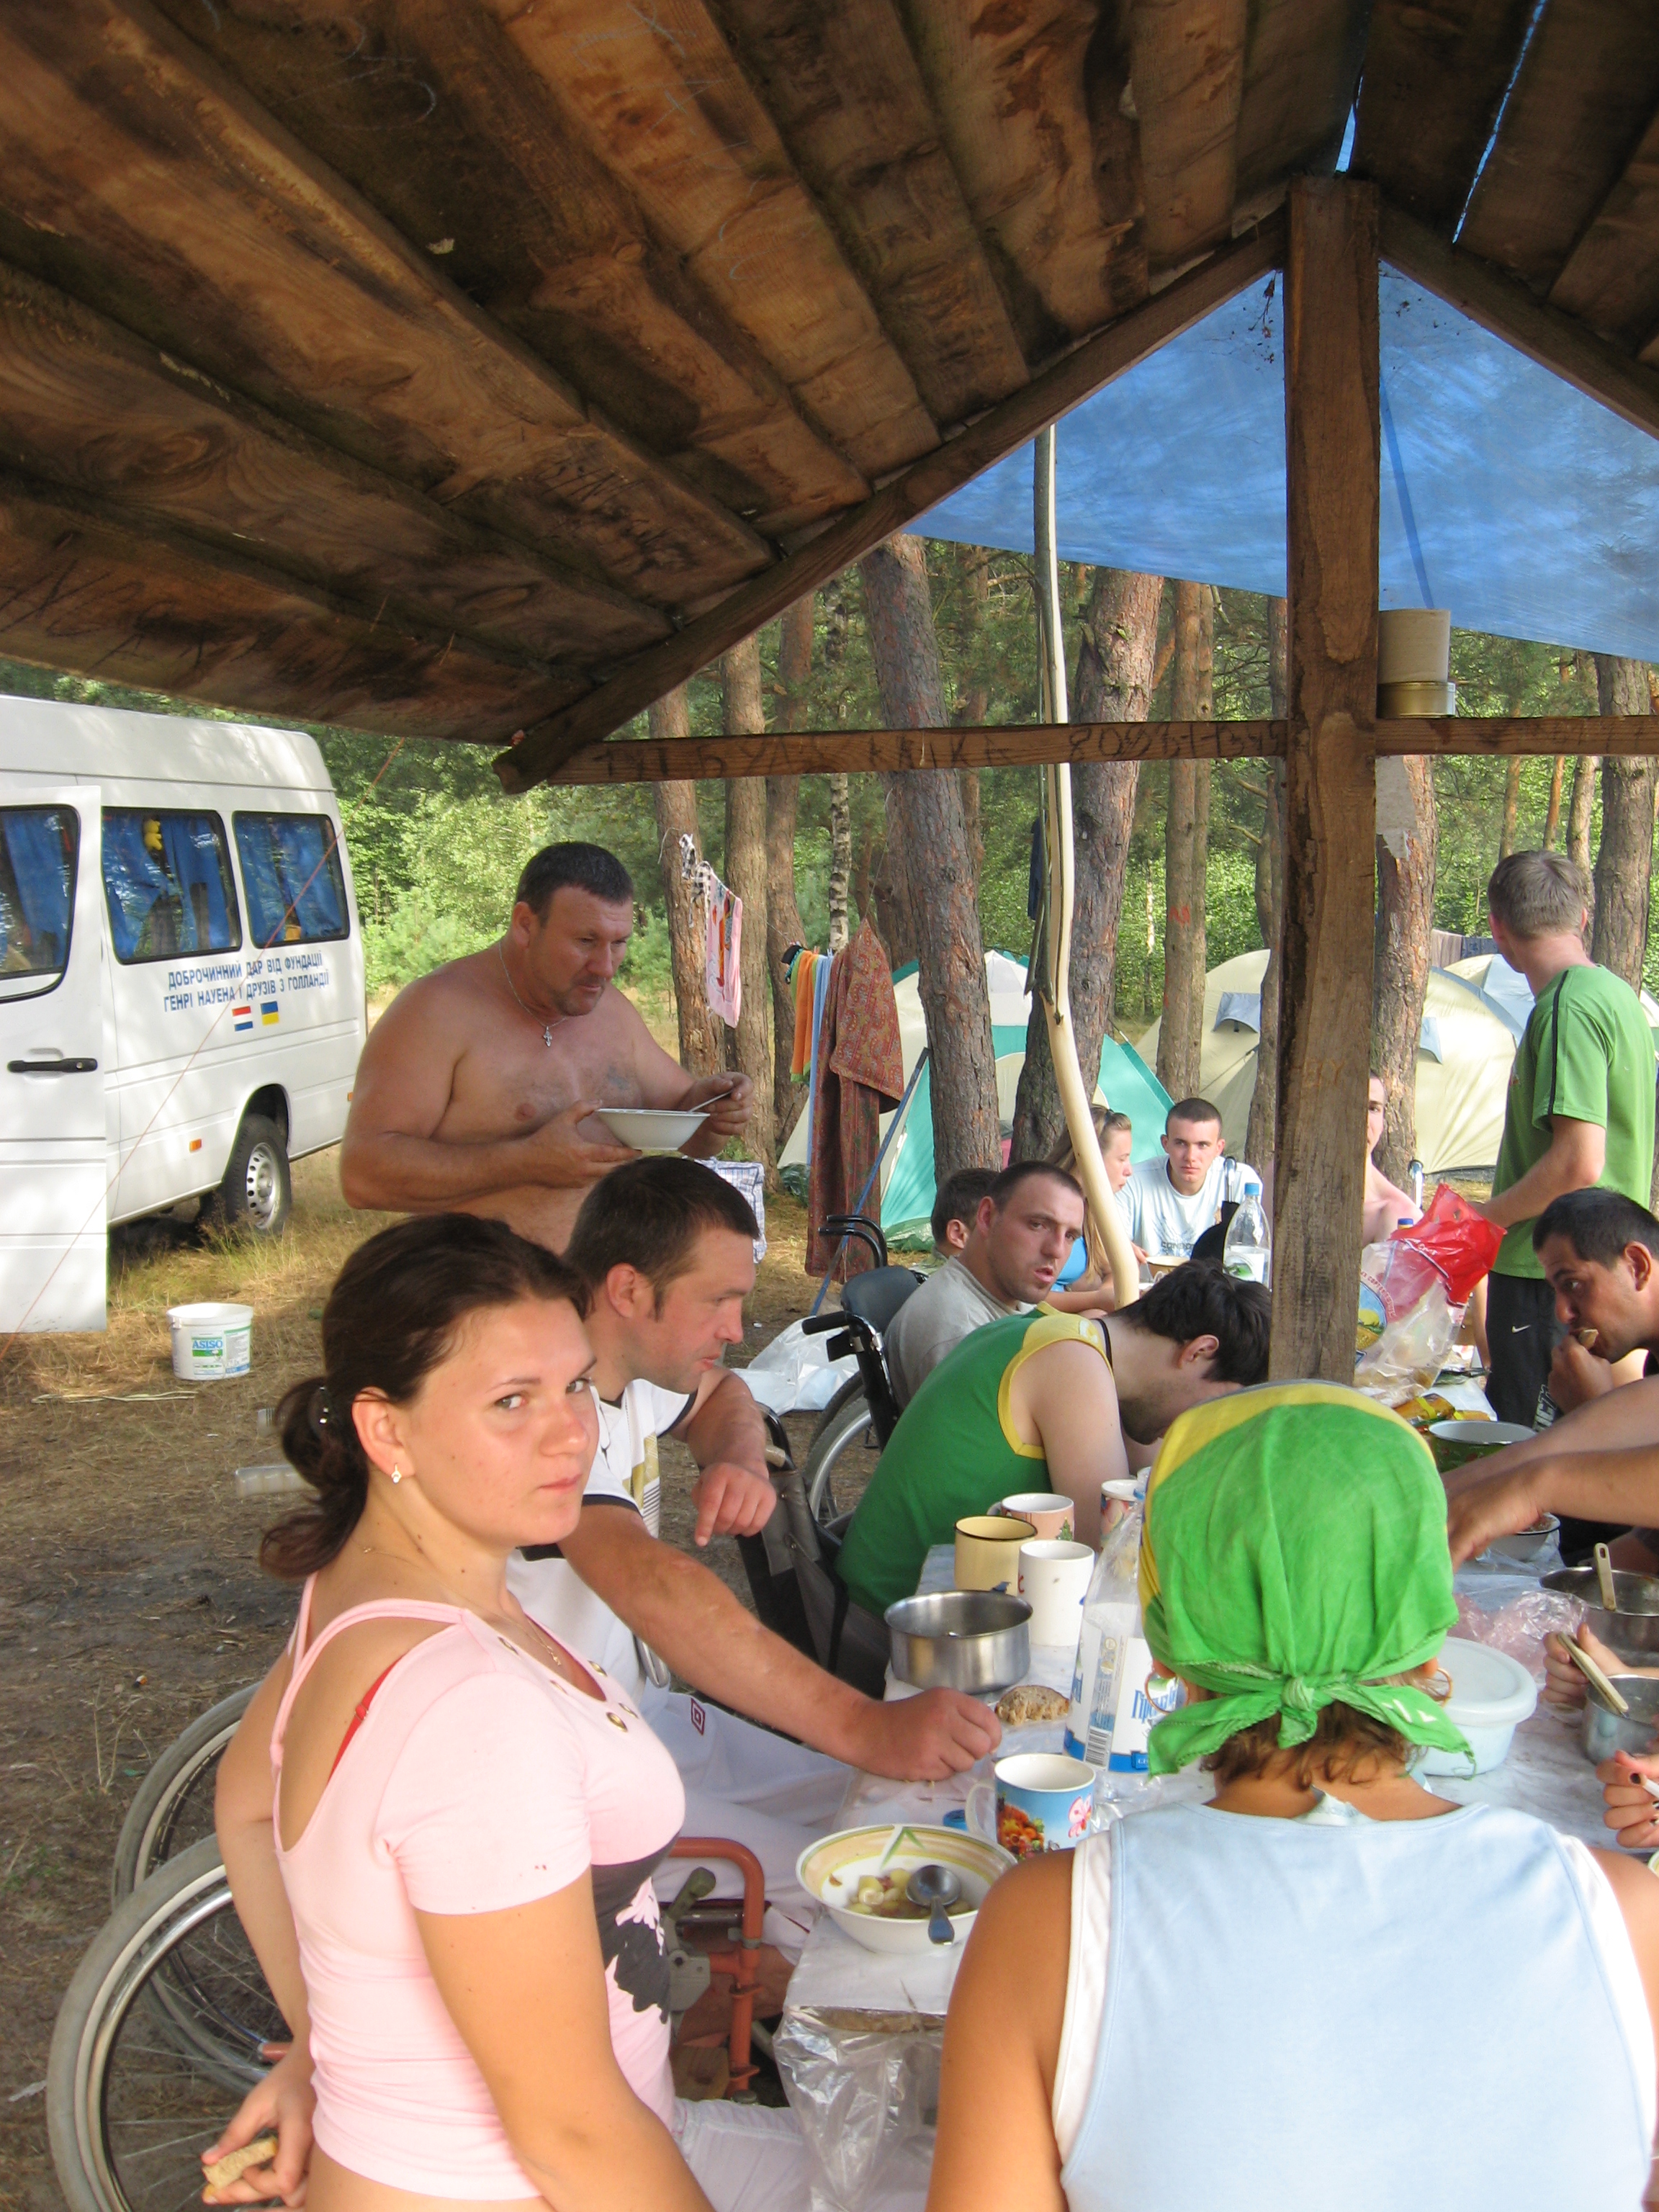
{"x": 821, "y": 975}
{"x": 723, "y": 977}
{"x": 860, "y": 1076}
{"x": 806, "y": 970}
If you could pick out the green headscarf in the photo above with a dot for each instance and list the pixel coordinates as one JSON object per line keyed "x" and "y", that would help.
{"x": 1295, "y": 1556}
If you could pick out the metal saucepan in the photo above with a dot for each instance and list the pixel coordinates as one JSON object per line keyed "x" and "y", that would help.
{"x": 1606, "y": 1731}
{"x": 1633, "y": 1631}
{"x": 972, "y": 1640}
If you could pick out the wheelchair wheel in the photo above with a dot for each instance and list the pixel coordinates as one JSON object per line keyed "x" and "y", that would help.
{"x": 158, "y": 2038}
{"x": 173, "y": 1806}
{"x": 843, "y": 1454}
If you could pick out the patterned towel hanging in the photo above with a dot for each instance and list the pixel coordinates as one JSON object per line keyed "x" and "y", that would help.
{"x": 723, "y": 933}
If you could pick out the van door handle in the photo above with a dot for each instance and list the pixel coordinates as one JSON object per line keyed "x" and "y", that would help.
{"x": 52, "y": 1067}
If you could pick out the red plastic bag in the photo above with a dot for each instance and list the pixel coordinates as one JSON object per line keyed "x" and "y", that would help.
{"x": 1458, "y": 1244}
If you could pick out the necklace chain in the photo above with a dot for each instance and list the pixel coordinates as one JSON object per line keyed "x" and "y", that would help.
{"x": 548, "y": 1027}
{"x": 563, "y": 1665}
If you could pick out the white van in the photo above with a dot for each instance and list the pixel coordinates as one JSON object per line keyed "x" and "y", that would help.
{"x": 181, "y": 983}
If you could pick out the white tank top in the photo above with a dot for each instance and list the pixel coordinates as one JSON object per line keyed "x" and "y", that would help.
{"x": 1254, "y": 2006}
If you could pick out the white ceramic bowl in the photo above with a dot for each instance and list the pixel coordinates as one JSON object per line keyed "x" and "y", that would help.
{"x": 831, "y": 1868}
{"x": 648, "y": 1128}
{"x": 1492, "y": 1695}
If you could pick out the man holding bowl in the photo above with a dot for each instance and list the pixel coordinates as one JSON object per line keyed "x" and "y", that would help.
{"x": 478, "y": 1088}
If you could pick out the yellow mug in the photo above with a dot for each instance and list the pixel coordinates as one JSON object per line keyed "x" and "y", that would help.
{"x": 987, "y": 1551}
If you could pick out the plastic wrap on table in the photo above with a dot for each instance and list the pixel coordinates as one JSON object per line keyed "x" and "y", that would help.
{"x": 794, "y": 1374}
{"x": 1407, "y": 1354}
{"x": 1401, "y": 1323}
{"x": 864, "y": 2087}
{"x": 1502, "y": 1605}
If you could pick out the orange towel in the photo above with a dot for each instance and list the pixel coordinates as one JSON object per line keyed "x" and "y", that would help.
{"x": 801, "y": 1058}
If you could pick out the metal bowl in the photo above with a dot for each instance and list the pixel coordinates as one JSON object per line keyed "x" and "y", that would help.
{"x": 972, "y": 1640}
{"x": 1606, "y": 1731}
{"x": 1633, "y": 1631}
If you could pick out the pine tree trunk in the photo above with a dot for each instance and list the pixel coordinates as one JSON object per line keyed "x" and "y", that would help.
{"x": 926, "y": 835}
{"x": 1260, "y": 1134}
{"x": 783, "y": 922}
{"x": 1399, "y": 969}
{"x": 1508, "y": 830}
{"x": 1114, "y": 684}
{"x": 1186, "y": 853}
{"x": 1580, "y": 809}
{"x": 701, "y": 1038}
{"x": 745, "y": 872}
{"x": 1552, "y": 816}
{"x": 1624, "y": 866}
{"x": 840, "y": 859}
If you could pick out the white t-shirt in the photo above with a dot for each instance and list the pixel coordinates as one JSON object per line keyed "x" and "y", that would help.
{"x": 624, "y": 1477}
{"x": 1162, "y": 1219}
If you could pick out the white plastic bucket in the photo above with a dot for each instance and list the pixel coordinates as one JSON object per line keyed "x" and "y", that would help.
{"x": 210, "y": 1342}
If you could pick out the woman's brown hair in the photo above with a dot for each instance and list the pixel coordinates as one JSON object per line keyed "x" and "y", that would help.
{"x": 1346, "y": 1746}
{"x": 393, "y": 1315}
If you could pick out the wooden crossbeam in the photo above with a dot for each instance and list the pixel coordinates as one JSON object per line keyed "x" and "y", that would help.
{"x": 998, "y": 432}
{"x": 1025, "y": 744}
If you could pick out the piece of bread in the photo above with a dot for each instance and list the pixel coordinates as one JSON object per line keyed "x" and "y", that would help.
{"x": 235, "y": 2163}
{"x": 1031, "y": 1701}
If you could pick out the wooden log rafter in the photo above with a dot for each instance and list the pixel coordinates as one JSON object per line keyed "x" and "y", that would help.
{"x": 1025, "y": 744}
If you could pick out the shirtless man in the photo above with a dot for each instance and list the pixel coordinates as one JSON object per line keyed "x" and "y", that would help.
{"x": 1386, "y": 1205}
{"x": 477, "y": 1088}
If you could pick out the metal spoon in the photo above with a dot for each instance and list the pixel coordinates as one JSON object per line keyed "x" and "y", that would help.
{"x": 938, "y": 1889}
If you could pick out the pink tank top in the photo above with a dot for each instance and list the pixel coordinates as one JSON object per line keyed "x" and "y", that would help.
{"x": 477, "y": 1781}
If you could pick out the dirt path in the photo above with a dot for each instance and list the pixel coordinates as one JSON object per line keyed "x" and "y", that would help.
{"x": 129, "y": 1597}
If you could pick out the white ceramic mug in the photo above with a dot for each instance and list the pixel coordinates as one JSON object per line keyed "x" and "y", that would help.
{"x": 1053, "y": 1579}
{"x": 1040, "y": 1801}
{"x": 1053, "y": 1517}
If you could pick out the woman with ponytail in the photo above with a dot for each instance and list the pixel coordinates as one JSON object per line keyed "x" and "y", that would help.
{"x": 440, "y": 1826}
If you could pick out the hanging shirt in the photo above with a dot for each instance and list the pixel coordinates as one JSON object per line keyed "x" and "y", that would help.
{"x": 723, "y": 910}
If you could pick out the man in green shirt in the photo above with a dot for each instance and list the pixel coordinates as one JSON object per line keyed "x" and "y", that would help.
{"x": 1044, "y": 1401}
{"x": 1580, "y": 1113}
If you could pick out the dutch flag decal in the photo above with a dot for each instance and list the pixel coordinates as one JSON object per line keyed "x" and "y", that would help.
{"x": 242, "y": 1018}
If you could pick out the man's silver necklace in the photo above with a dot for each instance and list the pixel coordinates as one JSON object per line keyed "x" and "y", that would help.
{"x": 548, "y": 1027}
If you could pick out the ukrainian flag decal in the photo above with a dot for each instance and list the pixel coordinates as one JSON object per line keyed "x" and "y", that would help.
{"x": 268, "y": 1013}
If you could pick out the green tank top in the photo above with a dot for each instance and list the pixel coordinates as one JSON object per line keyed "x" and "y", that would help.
{"x": 953, "y": 1453}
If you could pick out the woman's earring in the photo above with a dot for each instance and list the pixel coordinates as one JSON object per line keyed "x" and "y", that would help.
{"x": 397, "y": 1473}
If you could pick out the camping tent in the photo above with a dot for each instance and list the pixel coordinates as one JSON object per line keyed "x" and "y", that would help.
{"x": 1463, "y": 1061}
{"x": 907, "y": 1180}
{"x": 1509, "y": 994}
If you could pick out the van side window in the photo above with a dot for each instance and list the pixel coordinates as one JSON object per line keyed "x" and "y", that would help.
{"x": 167, "y": 878}
{"x": 38, "y": 848}
{"x": 291, "y": 867}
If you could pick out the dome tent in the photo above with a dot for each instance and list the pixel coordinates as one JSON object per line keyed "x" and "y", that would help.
{"x": 908, "y": 1182}
{"x": 1462, "y": 1062}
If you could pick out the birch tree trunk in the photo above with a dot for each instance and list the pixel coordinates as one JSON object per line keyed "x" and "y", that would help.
{"x": 1186, "y": 852}
{"x": 1400, "y": 967}
{"x": 1114, "y": 684}
{"x": 1581, "y": 808}
{"x": 1264, "y": 1098}
{"x": 783, "y": 922}
{"x": 926, "y": 837}
{"x": 1623, "y": 865}
{"x": 840, "y": 858}
{"x": 745, "y": 872}
{"x": 1507, "y": 831}
{"x": 701, "y": 1039}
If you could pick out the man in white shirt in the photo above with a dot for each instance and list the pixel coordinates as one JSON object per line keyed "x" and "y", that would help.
{"x": 1023, "y": 1232}
{"x": 667, "y": 1250}
{"x": 1170, "y": 1202}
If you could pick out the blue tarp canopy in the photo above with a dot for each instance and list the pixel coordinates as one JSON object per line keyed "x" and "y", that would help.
{"x": 1528, "y": 509}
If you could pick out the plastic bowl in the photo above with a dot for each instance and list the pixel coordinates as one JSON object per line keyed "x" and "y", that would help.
{"x": 649, "y": 1128}
{"x": 1492, "y": 1695}
{"x": 832, "y": 1867}
{"x": 210, "y": 1343}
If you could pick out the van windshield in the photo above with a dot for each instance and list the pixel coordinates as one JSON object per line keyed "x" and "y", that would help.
{"x": 39, "y": 846}
{"x": 166, "y": 876}
{"x": 291, "y": 869}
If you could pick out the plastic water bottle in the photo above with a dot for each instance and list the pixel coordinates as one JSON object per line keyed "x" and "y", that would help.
{"x": 1246, "y": 1251}
{"x": 1113, "y": 1709}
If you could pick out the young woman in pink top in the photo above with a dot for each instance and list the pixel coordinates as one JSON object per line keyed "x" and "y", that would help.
{"x": 439, "y": 1826}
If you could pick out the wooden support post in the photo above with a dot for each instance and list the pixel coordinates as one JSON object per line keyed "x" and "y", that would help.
{"x": 1331, "y": 419}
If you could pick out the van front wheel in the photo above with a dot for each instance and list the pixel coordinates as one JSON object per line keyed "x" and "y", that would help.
{"x": 258, "y": 1190}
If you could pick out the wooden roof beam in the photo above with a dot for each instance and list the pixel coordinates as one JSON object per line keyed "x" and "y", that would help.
{"x": 998, "y": 432}
{"x": 1025, "y": 744}
{"x": 141, "y": 171}
{"x": 1505, "y": 306}
{"x": 164, "y": 612}
{"x": 233, "y": 474}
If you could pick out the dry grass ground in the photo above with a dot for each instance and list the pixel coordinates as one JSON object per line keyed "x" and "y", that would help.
{"x": 129, "y": 1597}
